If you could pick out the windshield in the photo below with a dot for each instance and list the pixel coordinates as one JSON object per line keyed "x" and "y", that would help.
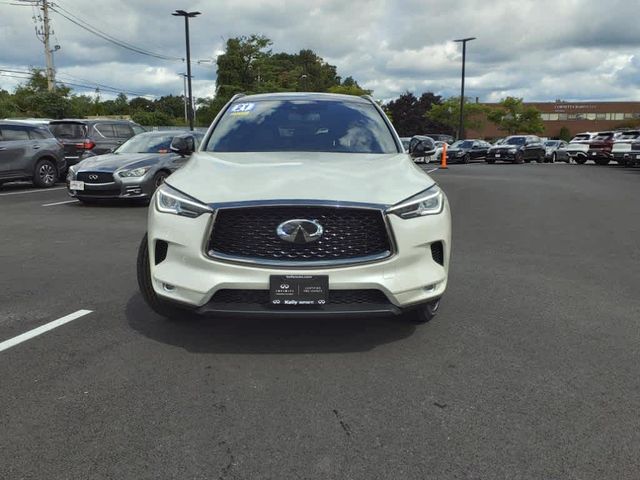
{"x": 551, "y": 143}
{"x": 581, "y": 138}
{"x": 68, "y": 130}
{"x": 629, "y": 136}
{"x": 462, "y": 144}
{"x": 147, "y": 143}
{"x": 303, "y": 126}
{"x": 604, "y": 136}
{"x": 515, "y": 141}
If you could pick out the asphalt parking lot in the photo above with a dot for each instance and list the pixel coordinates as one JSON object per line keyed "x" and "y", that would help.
{"x": 530, "y": 370}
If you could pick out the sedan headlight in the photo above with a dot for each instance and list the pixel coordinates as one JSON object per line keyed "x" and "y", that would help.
{"x": 459, "y": 153}
{"x": 428, "y": 202}
{"x": 513, "y": 150}
{"x": 170, "y": 200}
{"x": 136, "y": 172}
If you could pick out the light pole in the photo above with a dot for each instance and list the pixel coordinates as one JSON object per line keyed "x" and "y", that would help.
{"x": 187, "y": 16}
{"x": 464, "y": 55}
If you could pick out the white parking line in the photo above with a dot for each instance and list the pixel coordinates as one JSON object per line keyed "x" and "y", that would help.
{"x": 58, "y": 203}
{"x": 12, "y": 342}
{"x": 32, "y": 191}
{"x": 433, "y": 170}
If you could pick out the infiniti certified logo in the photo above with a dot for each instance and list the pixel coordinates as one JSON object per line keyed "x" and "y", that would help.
{"x": 300, "y": 231}
{"x": 93, "y": 177}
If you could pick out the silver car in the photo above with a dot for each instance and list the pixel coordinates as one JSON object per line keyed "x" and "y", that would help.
{"x": 30, "y": 152}
{"x": 135, "y": 170}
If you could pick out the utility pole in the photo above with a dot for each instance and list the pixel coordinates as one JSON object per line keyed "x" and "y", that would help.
{"x": 48, "y": 53}
{"x": 187, "y": 16}
{"x": 464, "y": 55}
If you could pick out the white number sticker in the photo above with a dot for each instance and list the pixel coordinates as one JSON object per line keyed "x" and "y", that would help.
{"x": 242, "y": 107}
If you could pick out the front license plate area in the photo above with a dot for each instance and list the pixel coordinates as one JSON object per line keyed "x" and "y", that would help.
{"x": 497, "y": 155}
{"x": 76, "y": 185}
{"x": 298, "y": 290}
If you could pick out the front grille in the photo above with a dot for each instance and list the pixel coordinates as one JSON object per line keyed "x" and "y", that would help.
{"x": 111, "y": 192}
{"x": 261, "y": 297}
{"x": 349, "y": 234}
{"x": 102, "y": 177}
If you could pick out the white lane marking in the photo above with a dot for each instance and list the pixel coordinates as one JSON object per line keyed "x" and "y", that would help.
{"x": 12, "y": 342}
{"x": 32, "y": 191}
{"x": 433, "y": 170}
{"x": 58, "y": 203}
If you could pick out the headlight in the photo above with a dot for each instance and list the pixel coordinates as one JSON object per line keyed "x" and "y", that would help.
{"x": 136, "y": 172}
{"x": 429, "y": 202}
{"x": 513, "y": 150}
{"x": 169, "y": 200}
{"x": 459, "y": 153}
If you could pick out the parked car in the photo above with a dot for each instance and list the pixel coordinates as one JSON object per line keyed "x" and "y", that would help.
{"x": 626, "y": 148}
{"x": 556, "y": 150}
{"x": 343, "y": 207}
{"x": 422, "y": 149}
{"x": 30, "y": 152}
{"x": 600, "y": 147}
{"x": 517, "y": 149}
{"x": 85, "y": 138}
{"x": 135, "y": 170}
{"x": 405, "y": 143}
{"x": 578, "y": 147}
{"x": 463, "y": 151}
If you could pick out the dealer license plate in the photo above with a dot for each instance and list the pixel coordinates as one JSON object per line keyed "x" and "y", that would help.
{"x": 497, "y": 155}
{"x": 76, "y": 185}
{"x": 299, "y": 290}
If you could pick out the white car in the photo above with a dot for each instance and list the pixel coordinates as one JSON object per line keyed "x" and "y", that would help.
{"x": 297, "y": 204}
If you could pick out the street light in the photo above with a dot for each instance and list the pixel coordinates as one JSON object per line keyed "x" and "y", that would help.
{"x": 187, "y": 16}
{"x": 464, "y": 55}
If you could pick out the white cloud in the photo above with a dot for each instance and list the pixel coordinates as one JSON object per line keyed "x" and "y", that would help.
{"x": 539, "y": 49}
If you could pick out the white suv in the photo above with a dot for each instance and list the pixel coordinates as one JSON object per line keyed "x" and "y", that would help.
{"x": 298, "y": 204}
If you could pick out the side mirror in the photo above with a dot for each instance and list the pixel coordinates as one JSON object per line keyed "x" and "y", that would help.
{"x": 419, "y": 149}
{"x": 181, "y": 146}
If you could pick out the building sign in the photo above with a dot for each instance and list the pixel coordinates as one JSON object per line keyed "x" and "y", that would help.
{"x": 566, "y": 107}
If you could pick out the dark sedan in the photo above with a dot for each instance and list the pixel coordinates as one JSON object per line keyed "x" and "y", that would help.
{"x": 463, "y": 151}
{"x": 517, "y": 149}
{"x": 134, "y": 170}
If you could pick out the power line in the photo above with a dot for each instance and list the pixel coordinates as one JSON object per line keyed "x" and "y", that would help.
{"x": 105, "y": 36}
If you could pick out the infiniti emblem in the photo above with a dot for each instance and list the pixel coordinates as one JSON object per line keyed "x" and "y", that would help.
{"x": 93, "y": 177}
{"x": 300, "y": 231}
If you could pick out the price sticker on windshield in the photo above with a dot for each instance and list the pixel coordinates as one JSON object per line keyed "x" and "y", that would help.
{"x": 242, "y": 108}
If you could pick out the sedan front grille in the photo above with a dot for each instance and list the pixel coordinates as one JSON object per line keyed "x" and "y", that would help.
{"x": 335, "y": 297}
{"x": 95, "y": 177}
{"x": 250, "y": 234}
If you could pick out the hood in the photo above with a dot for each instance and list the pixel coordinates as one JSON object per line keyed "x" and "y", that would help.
{"x": 112, "y": 161}
{"x": 350, "y": 177}
{"x": 456, "y": 150}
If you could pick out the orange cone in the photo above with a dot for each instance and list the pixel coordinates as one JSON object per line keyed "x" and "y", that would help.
{"x": 444, "y": 156}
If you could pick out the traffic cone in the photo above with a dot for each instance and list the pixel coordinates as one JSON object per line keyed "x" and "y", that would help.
{"x": 444, "y": 156}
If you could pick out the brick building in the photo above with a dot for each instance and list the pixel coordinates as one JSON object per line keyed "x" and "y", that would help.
{"x": 576, "y": 116}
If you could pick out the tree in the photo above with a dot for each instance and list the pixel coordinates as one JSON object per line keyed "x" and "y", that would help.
{"x": 512, "y": 116}
{"x": 448, "y": 113}
{"x": 152, "y": 119}
{"x": 565, "y": 134}
{"x": 408, "y": 113}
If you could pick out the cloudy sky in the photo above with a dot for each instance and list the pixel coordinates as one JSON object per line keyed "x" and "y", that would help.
{"x": 540, "y": 50}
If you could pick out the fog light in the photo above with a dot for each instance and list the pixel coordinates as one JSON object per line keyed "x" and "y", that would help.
{"x": 168, "y": 287}
{"x": 430, "y": 288}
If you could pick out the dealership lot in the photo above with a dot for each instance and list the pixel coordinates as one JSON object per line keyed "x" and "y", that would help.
{"x": 530, "y": 370}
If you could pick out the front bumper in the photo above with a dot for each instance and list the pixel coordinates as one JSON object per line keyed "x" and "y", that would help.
{"x": 119, "y": 188}
{"x": 501, "y": 155}
{"x": 187, "y": 276}
{"x": 631, "y": 157}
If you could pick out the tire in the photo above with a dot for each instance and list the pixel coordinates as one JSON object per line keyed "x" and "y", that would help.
{"x": 45, "y": 174}
{"x": 540, "y": 158}
{"x": 490, "y": 161}
{"x": 466, "y": 158}
{"x": 554, "y": 157}
{"x": 161, "y": 307}
{"x": 159, "y": 178}
{"x": 602, "y": 161}
{"x": 581, "y": 160}
{"x": 519, "y": 159}
{"x": 424, "y": 313}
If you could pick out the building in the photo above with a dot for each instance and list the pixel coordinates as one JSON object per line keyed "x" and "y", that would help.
{"x": 575, "y": 116}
